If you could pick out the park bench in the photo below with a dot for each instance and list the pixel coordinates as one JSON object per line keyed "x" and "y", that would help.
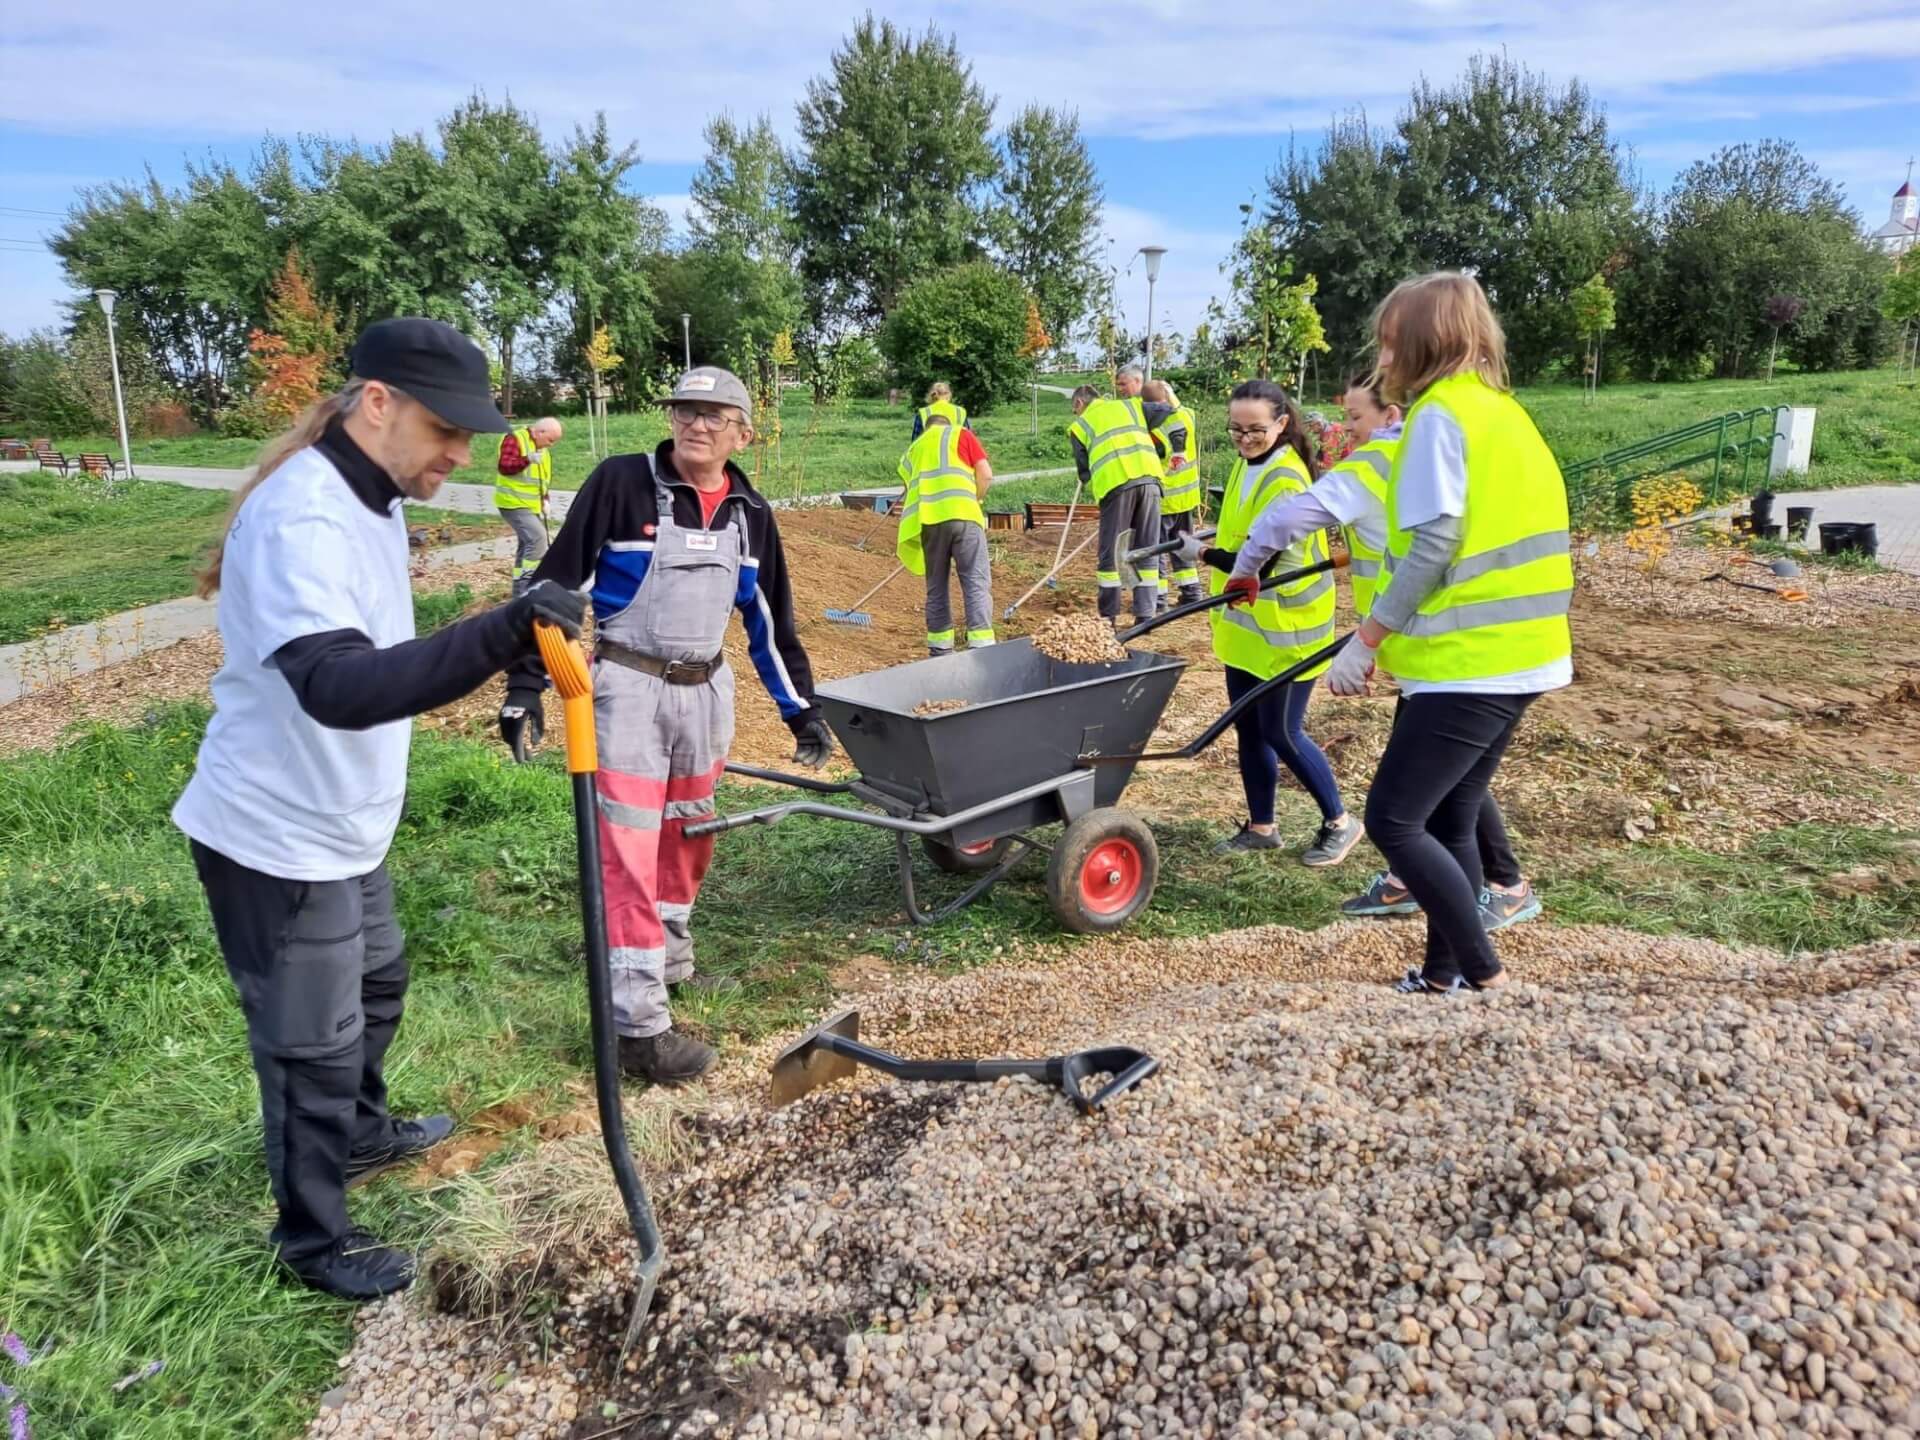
{"x": 94, "y": 464}
{"x": 14, "y": 450}
{"x": 1041, "y": 514}
{"x": 52, "y": 459}
{"x": 1001, "y": 519}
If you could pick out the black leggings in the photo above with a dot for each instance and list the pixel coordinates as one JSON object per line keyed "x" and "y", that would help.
{"x": 1423, "y": 810}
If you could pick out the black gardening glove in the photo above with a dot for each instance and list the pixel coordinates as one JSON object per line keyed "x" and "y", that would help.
{"x": 523, "y": 721}
{"x": 815, "y": 740}
{"x": 544, "y": 600}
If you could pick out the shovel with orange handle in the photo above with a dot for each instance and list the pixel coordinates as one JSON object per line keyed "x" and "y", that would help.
{"x": 567, "y": 668}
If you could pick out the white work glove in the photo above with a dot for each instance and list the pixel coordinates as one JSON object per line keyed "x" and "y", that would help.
{"x": 1189, "y": 552}
{"x": 1351, "y": 668}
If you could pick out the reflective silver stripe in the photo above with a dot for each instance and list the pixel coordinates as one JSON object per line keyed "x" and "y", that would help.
{"x": 647, "y": 960}
{"x": 1234, "y": 615}
{"x": 1546, "y": 544}
{"x": 1128, "y": 429}
{"x": 1175, "y": 491}
{"x": 1479, "y": 613}
{"x": 1373, "y": 460}
{"x": 1113, "y": 455}
{"x": 1363, "y": 568}
{"x": 689, "y": 809}
{"x": 1321, "y": 586}
{"x": 629, "y": 817}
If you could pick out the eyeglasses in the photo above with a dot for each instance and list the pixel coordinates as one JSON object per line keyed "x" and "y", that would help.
{"x": 695, "y": 418}
{"x": 1250, "y": 432}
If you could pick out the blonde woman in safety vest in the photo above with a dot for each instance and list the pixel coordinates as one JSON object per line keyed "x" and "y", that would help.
{"x": 1178, "y": 440}
{"x": 1259, "y": 634}
{"x": 1353, "y": 496}
{"x": 1471, "y": 617}
{"x": 940, "y": 401}
{"x": 944, "y": 530}
{"x": 520, "y": 494}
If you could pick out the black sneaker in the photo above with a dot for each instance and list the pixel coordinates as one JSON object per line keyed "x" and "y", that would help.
{"x": 1334, "y": 842}
{"x": 1248, "y": 838}
{"x": 405, "y": 1139}
{"x": 668, "y": 1058}
{"x": 358, "y": 1267}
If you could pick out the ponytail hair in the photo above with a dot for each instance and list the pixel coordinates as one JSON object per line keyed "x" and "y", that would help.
{"x": 308, "y": 428}
{"x": 1284, "y": 407}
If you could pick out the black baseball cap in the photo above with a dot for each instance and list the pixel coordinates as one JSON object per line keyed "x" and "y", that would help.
{"x": 435, "y": 364}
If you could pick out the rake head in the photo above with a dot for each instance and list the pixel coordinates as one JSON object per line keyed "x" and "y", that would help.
{"x": 849, "y": 617}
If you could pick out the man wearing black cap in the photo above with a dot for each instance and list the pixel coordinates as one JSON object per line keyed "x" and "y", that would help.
{"x": 298, "y": 788}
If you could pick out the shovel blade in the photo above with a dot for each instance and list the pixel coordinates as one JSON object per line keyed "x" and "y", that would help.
{"x": 806, "y": 1065}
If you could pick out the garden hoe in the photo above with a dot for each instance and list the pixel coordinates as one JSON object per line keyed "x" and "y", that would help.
{"x": 567, "y": 668}
{"x": 832, "y": 1051}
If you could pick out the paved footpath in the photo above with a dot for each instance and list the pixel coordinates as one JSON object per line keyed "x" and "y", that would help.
{"x": 41, "y": 663}
{"x": 1893, "y": 509}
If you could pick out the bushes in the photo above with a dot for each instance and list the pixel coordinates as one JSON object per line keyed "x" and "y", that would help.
{"x": 967, "y": 326}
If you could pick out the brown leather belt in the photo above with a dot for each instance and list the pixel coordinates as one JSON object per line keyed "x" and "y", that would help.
{"x": 674, "y": 672}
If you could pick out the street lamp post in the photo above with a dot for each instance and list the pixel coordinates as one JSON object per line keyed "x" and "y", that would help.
{"x": 106, "y": 299}
{"x": 1153, "y": 254}
{"x": 686, "y": 337}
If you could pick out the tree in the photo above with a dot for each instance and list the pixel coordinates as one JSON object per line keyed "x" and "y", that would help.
{"x": 1781, "y": 311}
{"x": 1037, "y": 341}
{"x": 738, "y": 277}
{"x": 1276, "y": 324}
{"x": 296, "y": 360}
{"x": 501, "y": 177}
{"x": 1593, "y": 312}
{"x": 604, "y": 237}
{"x": 966, "y": 325}
{"x": 1900, "y": 302}
{"x": 1046, "y": 223}
{"x": 893, "y": 166}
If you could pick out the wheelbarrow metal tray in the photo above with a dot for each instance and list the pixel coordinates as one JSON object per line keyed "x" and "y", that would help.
{"x": 1028, "y": 719}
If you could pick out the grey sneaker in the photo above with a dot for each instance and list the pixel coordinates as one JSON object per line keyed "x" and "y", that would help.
{"x": 1381, "y": 898}
{"x": 1334, "y": 842}
{"x": 1248, "y": 838}
{"x": 1499, "y": 909}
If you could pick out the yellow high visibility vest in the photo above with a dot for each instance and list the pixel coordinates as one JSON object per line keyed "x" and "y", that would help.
{"x": 528, "y": 489}
{"x": 1372, "y": 465}
{"x": 1118, "y": 445}
{"x": 940, "y": 486}
{"x": 957, "y": 414}
{"x": 1289, "y": 622}
{"x": 1502, "y": 604}
{"x": 1181, "y": 488}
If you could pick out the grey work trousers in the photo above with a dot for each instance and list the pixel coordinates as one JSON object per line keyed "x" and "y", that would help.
{"x": 530, "y": 543}
{"x": 1129, "y": 519}
{"x": 321, "y": 970}
{"x": 957, "y": 545}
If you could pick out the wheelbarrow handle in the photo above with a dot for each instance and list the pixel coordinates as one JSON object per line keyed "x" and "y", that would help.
{"x": 1165, "y": 547}
{"x": 1214, "y": 602}
{"x": 798, "y": 782}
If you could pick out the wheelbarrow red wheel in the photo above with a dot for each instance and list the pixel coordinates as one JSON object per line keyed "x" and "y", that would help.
{"x": 1103, "y": 871}
{"x": 974, "y": 859}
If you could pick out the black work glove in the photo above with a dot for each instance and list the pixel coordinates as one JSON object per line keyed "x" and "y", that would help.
{"x": 544, "y": 600}
{"x": 816, "y": 741}
{"x": 523, "y": 721}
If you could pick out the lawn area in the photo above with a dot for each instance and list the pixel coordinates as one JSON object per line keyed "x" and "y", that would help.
{"x": 132, "y": 1201}
{"x": 78, "y": 548}
{"x": 1868, "y": 432}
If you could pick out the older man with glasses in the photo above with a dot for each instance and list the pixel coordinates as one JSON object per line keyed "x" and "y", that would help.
{"x": 674, "y": 542}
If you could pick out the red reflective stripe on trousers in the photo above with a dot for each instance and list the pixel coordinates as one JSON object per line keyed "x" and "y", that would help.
{"x": 630, "y": 864}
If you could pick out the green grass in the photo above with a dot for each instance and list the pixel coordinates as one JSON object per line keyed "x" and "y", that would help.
{"x": 132, "y": 1201}
{"x": 78, "y": 548}
{"x": 1868, "y": 432}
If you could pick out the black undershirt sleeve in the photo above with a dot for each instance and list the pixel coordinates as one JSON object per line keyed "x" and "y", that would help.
{"x": 343, "y": 681}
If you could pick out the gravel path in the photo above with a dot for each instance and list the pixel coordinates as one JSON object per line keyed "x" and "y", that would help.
{"x": 1659, "y": 1187}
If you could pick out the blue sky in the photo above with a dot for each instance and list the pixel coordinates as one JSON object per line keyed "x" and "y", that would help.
{"x": 1185, "y": 105}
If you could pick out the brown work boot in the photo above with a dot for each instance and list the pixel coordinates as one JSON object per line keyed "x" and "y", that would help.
{"x": 668, "y": 1058}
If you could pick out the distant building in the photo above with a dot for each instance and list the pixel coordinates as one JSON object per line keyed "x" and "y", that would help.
{"x": 1902, "y": 230}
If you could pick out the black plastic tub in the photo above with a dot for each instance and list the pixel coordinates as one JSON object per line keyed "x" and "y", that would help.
{"x": 1799, "y": 521}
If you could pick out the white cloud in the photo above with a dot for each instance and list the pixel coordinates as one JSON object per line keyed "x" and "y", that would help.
{"x": 676, "y": 207}
{"x": 1189, "y": 272}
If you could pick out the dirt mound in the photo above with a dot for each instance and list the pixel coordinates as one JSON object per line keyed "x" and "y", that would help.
{"x": 1658, "y": 1185}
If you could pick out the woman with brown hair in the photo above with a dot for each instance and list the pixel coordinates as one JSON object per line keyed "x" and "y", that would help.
{"x": 1472, "y": 619}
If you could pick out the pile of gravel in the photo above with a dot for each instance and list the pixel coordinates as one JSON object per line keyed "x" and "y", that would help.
{"x": 1078, "y": 640}
{"x": 1672, "y": 1192}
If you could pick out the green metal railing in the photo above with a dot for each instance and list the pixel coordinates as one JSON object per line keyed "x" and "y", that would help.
{"x": 1600, "y": 490}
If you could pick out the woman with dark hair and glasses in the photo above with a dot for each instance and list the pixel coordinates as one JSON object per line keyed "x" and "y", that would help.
{"x": 1260, "y": 633}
